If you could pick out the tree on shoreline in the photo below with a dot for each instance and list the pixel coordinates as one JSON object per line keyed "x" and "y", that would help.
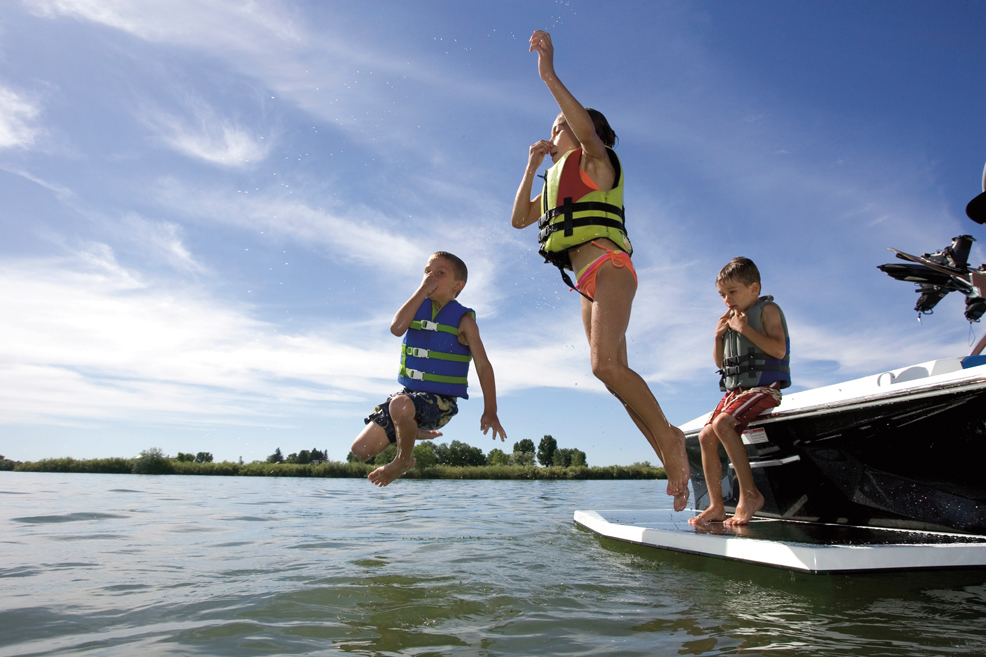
{"x": 153, "y": 461}
{"x": 497, "y": 457}
{"x": 567, "y": 458}
{"x": 546, "y": 451}
{"x": 304, "y": 457}
{"x": 459, "y": 453}
{"x": 201, "y": 457}
{"x": 525, "y": 445}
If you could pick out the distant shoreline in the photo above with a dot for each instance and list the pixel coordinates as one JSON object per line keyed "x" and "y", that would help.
{"x": 332, "y": 469}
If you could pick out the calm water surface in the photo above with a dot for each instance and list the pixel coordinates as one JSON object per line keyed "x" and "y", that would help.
{"x": 143, "y": 565}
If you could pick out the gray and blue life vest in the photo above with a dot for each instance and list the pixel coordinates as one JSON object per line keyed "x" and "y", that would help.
{"x": 744, "y": 365}
{"x": 432, "y": 359}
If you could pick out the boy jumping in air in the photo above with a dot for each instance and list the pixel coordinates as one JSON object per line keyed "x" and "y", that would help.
{"x": 440, "y": 338}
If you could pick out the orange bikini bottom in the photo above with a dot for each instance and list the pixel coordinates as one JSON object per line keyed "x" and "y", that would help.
{"x": 585, "y": 282}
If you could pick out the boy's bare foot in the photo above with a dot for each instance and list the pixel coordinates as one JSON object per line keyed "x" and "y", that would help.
{"x": 745, "y": 510}
{"x": 677, "y": 470}
{"x": 427, "y": 434}
{"x": 713, "y": 528}
{"x": 387, "y": 473}
{"x": 712, "y": 514}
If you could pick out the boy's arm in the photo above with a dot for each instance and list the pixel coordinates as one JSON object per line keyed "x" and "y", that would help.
{"x": 469, "y": 330}
{"x": 772, "y": 340}
{"x": 404, "y": 317}
{"x": 718, "y": 350}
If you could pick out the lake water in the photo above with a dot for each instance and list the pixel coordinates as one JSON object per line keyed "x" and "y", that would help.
{"x": 143, "y": 565}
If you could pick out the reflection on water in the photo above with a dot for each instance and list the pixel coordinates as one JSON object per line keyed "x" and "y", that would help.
{"x": 126, "y": 565}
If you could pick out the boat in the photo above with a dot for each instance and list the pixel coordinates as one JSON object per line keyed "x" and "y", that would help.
{"x": 901, "y": 449}
{"x": 883, "y": 472}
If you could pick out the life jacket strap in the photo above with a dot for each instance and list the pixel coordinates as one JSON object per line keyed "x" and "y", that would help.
{"x": 418, "y": 352}
{"x": 425, "y": 325}
{"x": 568, "y": 208}
{"x": 546, "y": 232}
{"x": 418, "y": 375}
{"x": 749, "y": 363}
{"x": 569, "y": 223}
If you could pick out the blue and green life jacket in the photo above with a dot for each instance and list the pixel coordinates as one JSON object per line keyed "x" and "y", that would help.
{"x": 574, "y": 213}
{"x": 744, "y": 365}
{"x": 432, "y": 359}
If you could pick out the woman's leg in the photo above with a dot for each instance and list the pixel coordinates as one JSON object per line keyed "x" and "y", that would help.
{"x": 605, "y": 321}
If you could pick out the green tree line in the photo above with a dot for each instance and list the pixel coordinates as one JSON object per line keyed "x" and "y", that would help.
{"x": 459, "y": 454}
{"x": 519, "y": 465}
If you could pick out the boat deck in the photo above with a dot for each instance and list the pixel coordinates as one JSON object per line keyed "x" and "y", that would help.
{"x": 802, "y": 546}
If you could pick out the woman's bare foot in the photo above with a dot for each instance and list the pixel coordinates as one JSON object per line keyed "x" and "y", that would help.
{"x": 387, "y": 473}
{"x": 677, "y": 470}
{"x": 748, "y": 505}
{"x": 712, "y": 514}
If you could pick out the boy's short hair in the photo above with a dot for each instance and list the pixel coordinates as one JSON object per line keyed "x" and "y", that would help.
{"x": 741, "y": 270}
{"x": 459, "y": 269}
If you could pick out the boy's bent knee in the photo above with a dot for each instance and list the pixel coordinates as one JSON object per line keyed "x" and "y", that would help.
{"x": 364, "y": 448}
{"x": 401, "y": 408}
{"x": 724, "y": 422}
{"x": 370, "y": 442}
{"x": 361, "y": 451}
{"x": 707, "y": 437}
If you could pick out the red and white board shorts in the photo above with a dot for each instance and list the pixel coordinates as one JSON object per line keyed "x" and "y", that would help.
{"x": 745, "y": 404}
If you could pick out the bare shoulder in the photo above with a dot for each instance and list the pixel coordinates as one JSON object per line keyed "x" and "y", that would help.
{"x": 468, "y": 328}
{"x": 771, "y": 319}
{"x": 599, "y": 168}
{"x": 772, "y": 310}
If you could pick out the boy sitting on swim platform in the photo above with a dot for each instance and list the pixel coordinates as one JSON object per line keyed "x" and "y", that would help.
{"x": 440, "y": 338}
{"x": 752, "y": 351}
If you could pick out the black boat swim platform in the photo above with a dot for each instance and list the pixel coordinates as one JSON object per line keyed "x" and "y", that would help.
{"x": 803, "y": 546}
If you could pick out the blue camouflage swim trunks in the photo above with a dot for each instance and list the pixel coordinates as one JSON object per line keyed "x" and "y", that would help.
{"x": 431, "y": 411}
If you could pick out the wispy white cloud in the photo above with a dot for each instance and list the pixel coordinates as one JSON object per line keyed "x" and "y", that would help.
{"x": 220, "y": 24}
{"x": 60, "y": 191}
{"x": 204, "y": 135}
{"x": 160, "y": 241}
{"x": 361, "y": 235}
{"x": 869, "y": 349}
{"x": 329, "y": 72}
{"x": 18, "y": 114}
{"x": 94, "y": 340}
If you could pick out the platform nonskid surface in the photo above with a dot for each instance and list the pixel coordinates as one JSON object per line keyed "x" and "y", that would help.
{"x": 808, "y": 547}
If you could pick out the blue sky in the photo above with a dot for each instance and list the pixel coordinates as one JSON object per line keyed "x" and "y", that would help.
{"x": 213, "y": 208}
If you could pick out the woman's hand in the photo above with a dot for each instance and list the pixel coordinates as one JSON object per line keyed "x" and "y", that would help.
{"x": 541, "y": 42}
{"x": 536, "y": 155}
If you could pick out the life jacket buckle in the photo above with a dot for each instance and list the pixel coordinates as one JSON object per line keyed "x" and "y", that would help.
{"x": 414, "y": 374}
{"x": 418, "y": 352}
{"x": 428, "y": 326}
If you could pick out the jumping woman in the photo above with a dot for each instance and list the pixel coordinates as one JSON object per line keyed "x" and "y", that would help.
{"x": 581, "y": 228}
